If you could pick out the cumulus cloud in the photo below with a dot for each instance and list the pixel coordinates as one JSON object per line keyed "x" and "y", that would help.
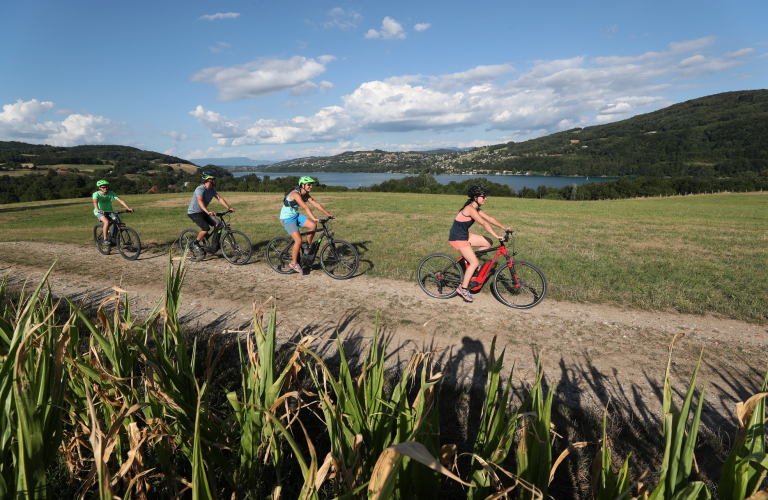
{"x": 422, "y": 26}
{"x": 343, "y": 19}
{"x": 549, "y": 96}
{"x": 219, "y": 15}
{"x": 390, "y": 30}
{"x": 20, "y": 121}
{"x": 263, "y": 77}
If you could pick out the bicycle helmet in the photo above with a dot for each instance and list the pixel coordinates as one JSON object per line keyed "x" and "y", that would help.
{"x": 207, "y": 176}
{"x": 477, "y": 190}
{"x": 306, "y": 180}
{"x": 102, "y": 183}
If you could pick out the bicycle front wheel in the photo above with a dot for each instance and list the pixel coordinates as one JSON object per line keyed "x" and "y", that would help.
{"x": 440, "y": 275}
{"x": 186, "y": 244}
{"x": 521, "y": 286}
{"x": 98, "y": 238}
{"x": 128, "y": 243}
{"x": 339, "y": 259}
{"x": 279, "y": 255}
{"x": 236, "y": 248}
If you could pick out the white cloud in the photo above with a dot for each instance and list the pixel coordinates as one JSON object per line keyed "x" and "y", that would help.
{"x": 263, "y": 77}
{"x": 20, "y": 121}
{"x": 343, "y": 19}
{"x": 201, "y": 154}
{"x": 422, "y": 26}
{"x": 219, "y": 47}
{"x": 390, "y": 30}
{"x": 219, "y": 15}
{"x": 550, "y": 96}
{"x": 325, "y": 87}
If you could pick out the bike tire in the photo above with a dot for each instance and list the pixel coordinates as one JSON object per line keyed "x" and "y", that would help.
{"x": 128, "y": 243}
{"x": 98, "y": 238}
{"x": 188, "y": 236}
{"x": 525, "y": 292}
{"x": 439, "y": 275}
{"x": 339, "y": 259}
{"x": 279, "y": 254}
{"x": 236, "y": 247}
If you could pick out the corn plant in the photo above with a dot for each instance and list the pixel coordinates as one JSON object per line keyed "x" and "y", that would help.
{"x": 747, "y": 463}
{"x": 497, "y": 431}
{"x": 680, "y": 441}
{"x": 606, "y": 486}
{"x": 32, "y": 386}
{"x": 262, "y": 386}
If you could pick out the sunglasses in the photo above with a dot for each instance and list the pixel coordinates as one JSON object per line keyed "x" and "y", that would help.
{"x": 103, "y": 187}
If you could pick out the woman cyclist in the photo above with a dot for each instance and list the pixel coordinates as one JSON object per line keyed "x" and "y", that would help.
{"x": 102, "y": 207}
{"x": 292, "y": 220}
{"x": 462, "y": 240}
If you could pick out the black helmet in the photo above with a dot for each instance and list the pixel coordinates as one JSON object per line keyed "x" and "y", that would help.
{"x": 477, "y": 190}
{"x": 208, "y": 175}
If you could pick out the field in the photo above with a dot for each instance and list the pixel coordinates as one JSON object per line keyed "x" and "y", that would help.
{"x": 693, "y": 254}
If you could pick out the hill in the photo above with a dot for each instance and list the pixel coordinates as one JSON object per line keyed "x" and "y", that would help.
{"x": 722, "y": 135}
{"x": 235, "y": 161}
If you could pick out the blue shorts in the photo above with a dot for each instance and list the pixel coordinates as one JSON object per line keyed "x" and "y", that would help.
{"x": 112, "y": 216}
{"x": 294, "y": 223}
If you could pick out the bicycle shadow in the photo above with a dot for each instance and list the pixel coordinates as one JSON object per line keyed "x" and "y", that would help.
{"x": 362, "y": 250}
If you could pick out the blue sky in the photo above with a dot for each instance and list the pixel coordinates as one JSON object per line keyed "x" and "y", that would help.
{"x": 277, "y": 80}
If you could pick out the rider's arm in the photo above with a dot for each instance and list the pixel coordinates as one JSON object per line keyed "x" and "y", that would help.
{"x": 493, "y": 221}
{"x": 319, "y": 206}
{"x": 96, "y": 205}
{"x": 123, "y": 204}
{"x": 480, "y": 218}
{"x": 224, "y": 202}
{"x": 298, "y": 199}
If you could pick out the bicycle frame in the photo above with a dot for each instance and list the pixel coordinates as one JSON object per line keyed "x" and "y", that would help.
{"x": 214, "y": 234}
{"x": 484, "y": 268}
{"x": 316, "y": 244}
{"x": 113, "y": 225}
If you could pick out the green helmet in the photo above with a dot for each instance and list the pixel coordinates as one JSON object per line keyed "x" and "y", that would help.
{"x": 207, "y": 176}
{"x": 102, "y": 183}
{"x": 306, "y": 180}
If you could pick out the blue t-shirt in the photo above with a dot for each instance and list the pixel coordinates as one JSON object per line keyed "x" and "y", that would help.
{"x": 207, "y": 194}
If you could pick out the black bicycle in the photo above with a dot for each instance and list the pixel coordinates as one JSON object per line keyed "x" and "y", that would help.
{"x": 338, "y": 258}
{"x": 517, "y": 283}
{"x": 235, "y": 245}
{"x": 119, "y": 235}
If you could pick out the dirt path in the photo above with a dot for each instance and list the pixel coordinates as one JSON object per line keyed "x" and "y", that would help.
{"x": 591, "y": 352}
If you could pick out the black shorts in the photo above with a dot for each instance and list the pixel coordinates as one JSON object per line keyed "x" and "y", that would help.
{"x": 203, "y": 220}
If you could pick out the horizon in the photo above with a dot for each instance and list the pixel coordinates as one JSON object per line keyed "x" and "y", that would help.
{"x": 279, "y": 82}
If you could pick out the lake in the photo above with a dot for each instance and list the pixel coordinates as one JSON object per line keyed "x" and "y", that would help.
{"x": 516, "y": 182}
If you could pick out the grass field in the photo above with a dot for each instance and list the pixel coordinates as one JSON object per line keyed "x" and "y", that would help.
{"x": 692, "y": 254}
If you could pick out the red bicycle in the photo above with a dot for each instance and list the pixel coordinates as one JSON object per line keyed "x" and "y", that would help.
{"x": 517, "y": 284}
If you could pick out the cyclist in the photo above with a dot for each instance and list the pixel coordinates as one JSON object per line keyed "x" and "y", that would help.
{"x": 198, "y": 206}
{"x": 102, "y": 206}
{"x": 292, "y": 220}
{"x": 462, "y": 240}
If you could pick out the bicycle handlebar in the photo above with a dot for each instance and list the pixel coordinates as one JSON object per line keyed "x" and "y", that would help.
{"x": 323, "y": 221}
{"x": 220, "y": 214}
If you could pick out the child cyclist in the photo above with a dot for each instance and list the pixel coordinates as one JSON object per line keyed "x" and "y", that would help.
{"x": 292, "y": 220}
{"x": 462, "y": 240}
{"x": 102, "y": 206}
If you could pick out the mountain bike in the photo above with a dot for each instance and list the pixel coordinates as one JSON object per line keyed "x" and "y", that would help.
{"x": 517, "y": 284}
{"x": 338, "y": 258}
{"x": 123, "y": 237}
{"x": 235, "y": 245}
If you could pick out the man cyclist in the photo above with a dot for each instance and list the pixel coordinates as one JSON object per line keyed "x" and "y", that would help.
{"x": 292, "y": 220}
{"x": 462, "y": 240}
{"x": 198, "y": 206}
{"x": 102, "y": 207}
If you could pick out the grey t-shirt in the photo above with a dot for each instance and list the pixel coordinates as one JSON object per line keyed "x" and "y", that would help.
{"x": 194, "y": 206}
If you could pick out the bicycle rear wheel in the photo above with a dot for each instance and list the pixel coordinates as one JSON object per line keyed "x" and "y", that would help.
{"x": 128, "y": 243}
{"x": 186, "y": 240}
{"x": 439, "y": 275}
{"x": 98, "y": 238}
{"x": 339, "y": 259}
{"x": 236, "y": 248}
{"x": 279, "y": 254}
{"x": 521, "y": 286}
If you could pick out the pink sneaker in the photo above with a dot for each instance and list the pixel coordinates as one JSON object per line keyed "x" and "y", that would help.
{"x": 465, "y": 294}
{"x": 296, "y": 268}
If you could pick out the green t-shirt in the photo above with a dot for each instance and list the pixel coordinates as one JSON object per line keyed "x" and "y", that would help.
{"x": 104, "y": 201}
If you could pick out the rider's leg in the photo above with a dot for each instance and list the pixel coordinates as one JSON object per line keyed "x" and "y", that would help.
{"x": 296, "y": 235}
{"x": 311, "y": 226}
{"x": 472, "y": 263}
{"x": 201, "y": 235}
{"x": 481, "y": 242}
{"x": 105, "y": 223}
